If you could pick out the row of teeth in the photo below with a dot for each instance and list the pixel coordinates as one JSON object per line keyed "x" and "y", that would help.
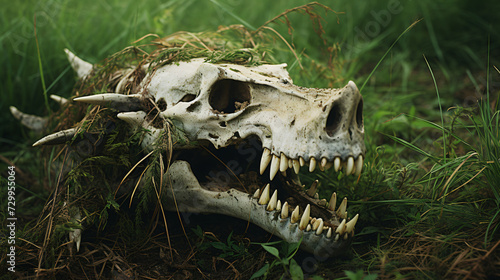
{"x": 306, "y": 222}
{"x": 282, "y": 163}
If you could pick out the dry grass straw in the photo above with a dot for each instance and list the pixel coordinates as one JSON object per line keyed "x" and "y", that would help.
{"x": 441, "y": 257}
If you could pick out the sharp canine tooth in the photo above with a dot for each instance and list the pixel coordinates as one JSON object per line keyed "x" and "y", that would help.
{"x": 333, "y": 202}
{"x": 349, "y": 227}
{"x": 284, "y": 211}
{"x": 273, "y": 202}
{"x": 278, "y": 206}
{"x": 265, "y": 160}
{"x": 341, "y": 228}
{"x": 329, "y": 233}
{"x": 336, "y": 164}
{"x": 308, "y": 228}
{"x": 302, "y": 161}
{"x": 290, "y": 163}
{"x": 256, "y": 194}
{"x": 316, "y": 223}
{"x": 283, "y": 163}
{"x": 304, "y": 221}
{"x": 312, "y": 190}
{"x": 275, "y": 166}
{"x": 264, "y": 197}
{"x": 359, "y": 165}
{"x": 349, "y": 166}
{"x": 320, "y": 227}
{"x": 337, "y": 237}
{"x": 296, "y": 166}
{"x": 295, "y": 215}
{"x": 343, "y": 206}
{"x": 312, "y": 164}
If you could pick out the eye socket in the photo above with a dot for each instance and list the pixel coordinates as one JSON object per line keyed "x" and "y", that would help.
{"x": 229, "y": 96}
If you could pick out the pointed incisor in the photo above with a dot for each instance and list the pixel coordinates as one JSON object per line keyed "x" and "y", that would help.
{"x": 265, "y": 160}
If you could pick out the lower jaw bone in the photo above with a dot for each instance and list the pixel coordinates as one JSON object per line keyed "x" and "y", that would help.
{"x": 187, "y": 195}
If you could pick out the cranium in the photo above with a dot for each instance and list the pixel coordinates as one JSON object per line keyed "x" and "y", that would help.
{"x": 249, "y": 130}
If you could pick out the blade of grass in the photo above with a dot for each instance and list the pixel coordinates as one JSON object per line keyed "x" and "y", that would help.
{"x": 41, "y": 68}
{"x": 225, "y": 9}
{"x": 387, "y": 52}
{"x": 440, "y": 107}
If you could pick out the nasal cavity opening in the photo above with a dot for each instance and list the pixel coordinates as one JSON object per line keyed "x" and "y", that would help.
{"x": 359, "y": 115}
{"x": 334, "y": 120}
{"x": 229, "y": 96}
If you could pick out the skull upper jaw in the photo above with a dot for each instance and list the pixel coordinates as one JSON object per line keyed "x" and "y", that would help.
{"x": 225, "y": 107}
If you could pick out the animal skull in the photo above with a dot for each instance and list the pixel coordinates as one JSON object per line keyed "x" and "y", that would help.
{"x": 230, "y": 113}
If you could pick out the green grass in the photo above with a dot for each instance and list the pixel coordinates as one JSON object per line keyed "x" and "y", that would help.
{"x": 429, "y": 193}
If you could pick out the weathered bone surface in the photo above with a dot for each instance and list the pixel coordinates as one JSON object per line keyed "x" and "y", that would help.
{"x": 223, "y": 105}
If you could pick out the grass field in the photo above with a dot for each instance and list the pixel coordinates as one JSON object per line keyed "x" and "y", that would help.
{"x": 429, "y": 74}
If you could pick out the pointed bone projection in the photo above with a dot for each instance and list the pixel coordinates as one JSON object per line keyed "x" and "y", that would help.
{"x": 223, "y": 105}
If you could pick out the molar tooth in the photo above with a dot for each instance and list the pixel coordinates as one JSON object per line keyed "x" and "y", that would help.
{"x": 275, "y": 166}
{"x": 316, "y": 195}
{"x": 304, "y": 221}
{"x": 341, "y": 228}
{"x": 349, "y": 166}
{"x": 284, "y": 211}
{"x": 349, "y": 227}
{"x": 343, "y": 206}
{"x": 302, "y": 161}
{"x": 312, "y": 164}
{"x": 295, "y": 215}
{"x": 320, "y": 227}
{"x": 333, "y": 202}
{"x": 256, "y": 194}
{"x": 336, "y": 164}
{"x": 329, "y": 233}
{"x": 265, "y": 160}
{"x": 296, "y": 166}
{"x": 359, "y": 165}
{"x": 273, "y": 202}
{"x": 264, "y": 197}
{"x": 283, "y": 163}
{"x": 278, "y": 205}
{"x": 312, "y": 190}
{"x": 308, "y": 228}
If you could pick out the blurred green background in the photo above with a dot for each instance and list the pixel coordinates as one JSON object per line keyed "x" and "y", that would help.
{"x": 453, "y": 35}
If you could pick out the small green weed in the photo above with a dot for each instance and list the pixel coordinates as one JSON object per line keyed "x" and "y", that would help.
{"x": 230, "y": 249}
{"x": 285, "y": 260}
